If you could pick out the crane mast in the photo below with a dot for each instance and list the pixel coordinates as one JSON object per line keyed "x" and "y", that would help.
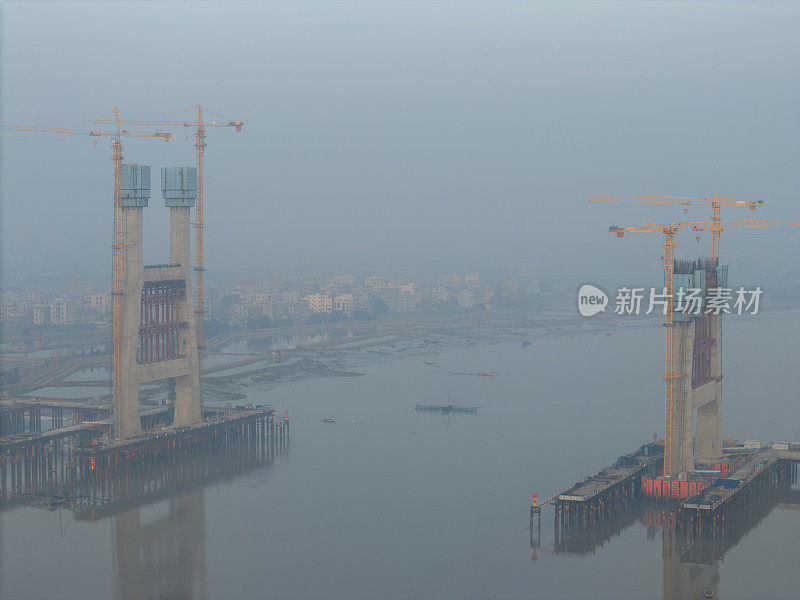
{"x": 200, "y": 145}
{"x": 669, "y": 338}
{"x": 116, "y": 277}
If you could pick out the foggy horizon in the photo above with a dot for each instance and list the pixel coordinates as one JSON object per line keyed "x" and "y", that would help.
{"x": 398, "y": 135}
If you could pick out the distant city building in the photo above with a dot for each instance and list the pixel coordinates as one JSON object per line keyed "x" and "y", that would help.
{"x": 344, "y": 302}
{"x": 466, "y": 299}
{"x": 78, "y": 288}
{"x": 98, "y": 304}
{"x": 276, "y": 296}
{"x": 319, "y": 303}
{"x": 59, "y": 311}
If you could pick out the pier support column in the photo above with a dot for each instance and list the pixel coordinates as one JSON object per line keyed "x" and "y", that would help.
{"x": 682, "y": 449}
{"x": 134, "y": 197}
{"x": 132, "y": 282}
{"x": 179, "y": 189}
{"x": 708, "y": 435}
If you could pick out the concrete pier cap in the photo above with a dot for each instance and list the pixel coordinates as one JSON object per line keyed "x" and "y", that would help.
{"x": 179, "y": 186}
{"x": 134, "y": 186}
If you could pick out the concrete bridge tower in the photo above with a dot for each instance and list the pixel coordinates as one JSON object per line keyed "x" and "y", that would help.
{"x": 696, "y": 355}
{"x": 158, "y": 331}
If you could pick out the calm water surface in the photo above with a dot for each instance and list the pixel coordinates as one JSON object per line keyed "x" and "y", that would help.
{"x": 402, "y": 504}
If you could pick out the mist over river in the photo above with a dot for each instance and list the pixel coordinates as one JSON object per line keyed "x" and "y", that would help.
{"x": 389, "y": 502}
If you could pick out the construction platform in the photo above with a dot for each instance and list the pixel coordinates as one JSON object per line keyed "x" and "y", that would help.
{"x": 762, "y": 468}
{"x": 589, "y": 512}
{"x": 23, "y": 416}
{"x": 624, "y": 473}
{"x": 592, "y": 508}
{"x": 80, "y": 461}
{"x": 173, "y": 436}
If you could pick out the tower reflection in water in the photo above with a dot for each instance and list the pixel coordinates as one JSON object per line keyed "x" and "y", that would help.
{"x": 158, "y": 513}
{"x": 162, "y": 556}
{"x": 690, "y": 555}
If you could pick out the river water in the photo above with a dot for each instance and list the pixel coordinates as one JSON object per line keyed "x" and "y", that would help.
{"x": 390, "y": 503}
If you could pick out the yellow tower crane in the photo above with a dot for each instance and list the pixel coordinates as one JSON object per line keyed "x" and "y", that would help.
{"x": 116, "y": 245}
{"x": 670, "y": 230}
{"x": 172, "y": 119}
{"x": 685, "y": 202}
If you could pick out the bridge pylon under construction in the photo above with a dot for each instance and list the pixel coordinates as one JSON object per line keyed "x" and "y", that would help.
{"x": 158, "y": 339}
{"x": 697, "y": 366}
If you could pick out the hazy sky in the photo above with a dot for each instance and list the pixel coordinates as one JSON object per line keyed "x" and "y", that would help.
{"x": 403, "y": 133}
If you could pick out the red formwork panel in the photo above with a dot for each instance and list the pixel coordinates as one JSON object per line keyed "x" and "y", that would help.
{"x": 724, "y": 467}
{"x": 672, "y": 489}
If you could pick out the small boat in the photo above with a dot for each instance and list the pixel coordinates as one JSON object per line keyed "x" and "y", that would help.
{"x": 708, "y": 592}
{"x": 328, "y": 420}
{"x": 526, "y": 343}
{"x": 486, "y": 374}
{"x": 447, "y": 408}
{"x": 433, "y": 363}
